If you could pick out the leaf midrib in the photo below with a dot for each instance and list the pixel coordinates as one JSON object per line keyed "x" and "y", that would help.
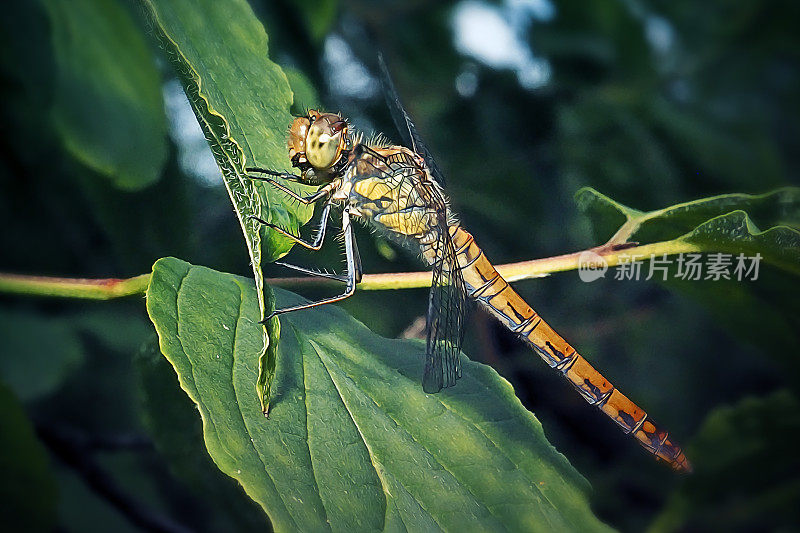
{"x": 373, "y": 460}
{"x": 308, "y": 434}
{"x": 239, "y": 410}
{"x": 204, "y": 413}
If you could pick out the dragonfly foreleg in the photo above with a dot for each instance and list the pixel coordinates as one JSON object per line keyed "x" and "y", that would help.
{"x": 323, "y": 192}
{"x": 353, "y": 269}
{"x": 284, "y": 175}
{"x": 312, "y": 272}
{"x": 316, "y": 244}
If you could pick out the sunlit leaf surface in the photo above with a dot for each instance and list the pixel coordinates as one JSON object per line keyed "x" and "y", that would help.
{"x": 352, "y": 441}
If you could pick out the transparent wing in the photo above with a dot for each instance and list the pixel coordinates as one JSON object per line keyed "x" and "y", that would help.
{"x": 403, "y": 122}
{"x": 447, "y": 309}
{"x": 448, "y": 300}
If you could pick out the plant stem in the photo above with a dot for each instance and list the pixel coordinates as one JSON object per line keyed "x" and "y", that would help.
{"x": 91, "y": 289}
{"x": 535, "y": 268}
{"x": 106, "y": 289}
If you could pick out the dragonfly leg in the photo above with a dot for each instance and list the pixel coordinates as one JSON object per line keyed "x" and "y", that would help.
{"x": 357, "y": 270}
{"x": 312, "y": 272}
{"x": 323, "y": 192}
{"x": 316, "y": 244}
{"x": 352, "y": 272}
{"x": 284, "y": 175}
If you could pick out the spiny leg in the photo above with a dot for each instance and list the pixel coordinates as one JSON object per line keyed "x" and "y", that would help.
{"x": 352, "y": 272}
{"x": 312, "y": 272}
{"x": 283, "y": 188}
{"x": 323, "y": 192}
{"x": 356, "y": 261}
{"x": 285, "y": 175}
{"x": 317, "y": 244}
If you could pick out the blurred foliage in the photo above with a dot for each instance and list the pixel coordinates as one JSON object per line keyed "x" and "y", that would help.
{"x": 654, "y": 103}
{"x": 108, "y": 109}
{"x": 752, "y": 485}
{"x": 39, "y": 353}
{"x": 27, "y": 486}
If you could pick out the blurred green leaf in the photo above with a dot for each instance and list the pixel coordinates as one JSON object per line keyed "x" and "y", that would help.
{"x": 38, "y": 353}
{"x": 172, "y": 422}
{"x": 352, "y": 441}
{"x": 305, "y": 95}
{"x": 27, "y": 485}
{"x": 108, "y": 105}
{"x": 81, "y": 509}
{"x": 169, "y": 203}
{"x": 318, "y": 16}
{"x": 27, "y": 68}
{"x": 746, "y": 471}
{"x": 107, "y": 327}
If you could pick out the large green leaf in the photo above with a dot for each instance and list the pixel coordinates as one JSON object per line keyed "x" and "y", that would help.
{"x": 108, "y": 106}
{"x": 241, "y": 100}
{"x": 746, "y": 471}
{"x": 27, "y": 485}
{"x": 352, "y": 441}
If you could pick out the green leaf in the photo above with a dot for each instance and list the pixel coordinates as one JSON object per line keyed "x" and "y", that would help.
{"x": 735, "y": 223}
{"x": 171, "y": 420}
{"x": 38, "y": 353}
{"x": 764, "y": 311}
{"x": 742, "y": 456}
{"x": 352, "y": 441}
{"x": 108, "y": 105}
{"x": 27, "y": 485}
{"x": 317, "y": 16}
{"x": 241, "y": 100}
{"x": 305, "y": 95}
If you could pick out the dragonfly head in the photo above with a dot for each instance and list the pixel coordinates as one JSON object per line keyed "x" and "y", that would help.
{"x": 320, "y": 137}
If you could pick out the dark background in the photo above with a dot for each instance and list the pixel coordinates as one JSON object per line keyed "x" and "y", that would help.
{"x": 522, "y": 103}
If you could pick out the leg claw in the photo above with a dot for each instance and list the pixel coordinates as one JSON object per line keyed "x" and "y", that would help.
{"x": 270, "y": 316}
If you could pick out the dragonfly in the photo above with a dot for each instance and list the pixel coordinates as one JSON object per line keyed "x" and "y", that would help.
{"x": 400, "y": 191}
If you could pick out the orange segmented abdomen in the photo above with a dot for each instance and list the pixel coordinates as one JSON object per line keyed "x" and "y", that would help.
{"x": 487, "y": 286}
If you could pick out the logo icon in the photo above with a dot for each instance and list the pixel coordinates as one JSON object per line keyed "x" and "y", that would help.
{"x": 591, "y": 266}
